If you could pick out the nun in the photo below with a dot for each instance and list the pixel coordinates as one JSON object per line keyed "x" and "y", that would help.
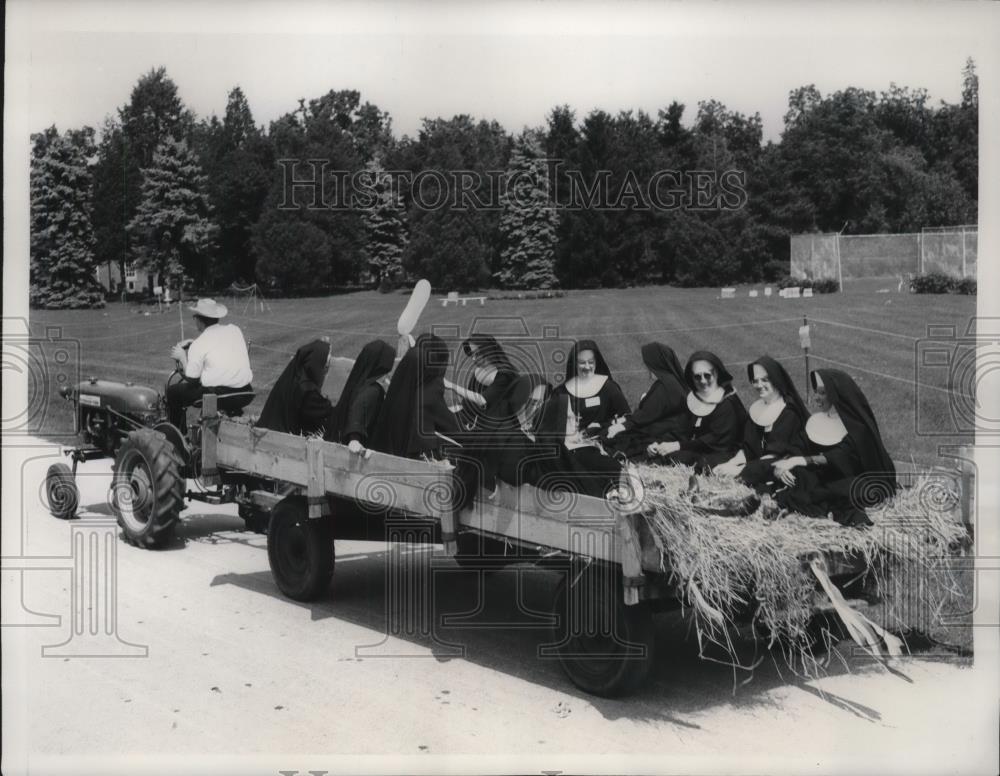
{"x": 662, "y": 413}
{"x": 491, "y": 375}
{"x": 844, "y": 467}
{"x": 509, "y": 450}
{"x": 296, "y": 404}
{"x": 593, "y": 395}
{"x": 415, "y": 421}
{"x": 717, "y": 416}
{"x": 773, "y": 429}
{"x": 353, "y": 419}
{"x": 566, "y": 457}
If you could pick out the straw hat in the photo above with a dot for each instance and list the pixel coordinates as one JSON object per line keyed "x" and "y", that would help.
{"x": 209, "y": 308}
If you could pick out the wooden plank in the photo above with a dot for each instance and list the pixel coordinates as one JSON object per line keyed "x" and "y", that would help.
{"x": 316, "y": 484}
{"x": 417, "y": 487}
{"x": 631, "y": 551}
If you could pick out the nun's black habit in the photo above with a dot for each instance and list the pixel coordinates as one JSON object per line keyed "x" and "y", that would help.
{"x": 763, "y": 444}
{"x": 361, "y": 398}
{"x": 488, "y": 353}
{"x": 508, "y": 451}
{"x": 602, "y": 407}
{"x": 858, "y": 472}
{"x": 662, "y": 414}
{"x": 583, "y": 469}
{"x": 296, "y": 404}
{"x": 414, "y": 411}
{"x": 715, "y": 437}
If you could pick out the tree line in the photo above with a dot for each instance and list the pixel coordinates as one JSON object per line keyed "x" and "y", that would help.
{"x": 584, "y": 202}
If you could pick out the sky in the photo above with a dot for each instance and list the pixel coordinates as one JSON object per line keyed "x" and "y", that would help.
{"x": 512, "y": 62}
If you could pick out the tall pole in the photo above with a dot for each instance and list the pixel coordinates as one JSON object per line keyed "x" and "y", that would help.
{"x": 805, "y": 342}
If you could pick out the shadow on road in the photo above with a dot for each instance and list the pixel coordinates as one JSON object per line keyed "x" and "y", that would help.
{"x": 499, "y": 621}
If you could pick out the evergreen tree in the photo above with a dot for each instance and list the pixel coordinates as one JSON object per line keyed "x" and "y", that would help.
{"x": 110, "y": 213}
{"x": 529, "y": 221}
{"x": 172, "y": 231}
{"x": 154, "y": 113}
{"x": 385, "y": 226}
{"x": 63, "y": 266}
{"x": 239, "y": 164}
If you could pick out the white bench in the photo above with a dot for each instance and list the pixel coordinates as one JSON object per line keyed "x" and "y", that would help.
{"x": 454, "y": 298}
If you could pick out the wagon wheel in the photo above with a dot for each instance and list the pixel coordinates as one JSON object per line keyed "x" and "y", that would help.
{"x": 147, "y": 488}
{"x": 62, "y": 496}
{"x": 300, "y": 550}
{"x": 605, "y": 647}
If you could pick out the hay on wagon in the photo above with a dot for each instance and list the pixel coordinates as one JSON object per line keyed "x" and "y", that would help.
{"x": 767, "y": 566}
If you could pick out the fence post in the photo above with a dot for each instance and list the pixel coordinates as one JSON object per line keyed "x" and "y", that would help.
{"x": 920, "y": 253}
{"x": 963, "y": 251}
{"x": 840, "y": 266}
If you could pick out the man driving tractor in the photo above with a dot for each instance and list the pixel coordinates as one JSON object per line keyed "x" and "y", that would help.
{"x": 215, "y": 362}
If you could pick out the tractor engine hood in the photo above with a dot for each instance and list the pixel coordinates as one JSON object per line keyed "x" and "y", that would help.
{"x": 126, "y": 398}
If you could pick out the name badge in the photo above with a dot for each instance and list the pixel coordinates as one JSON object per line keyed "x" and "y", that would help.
{"x": 593, "y": 401}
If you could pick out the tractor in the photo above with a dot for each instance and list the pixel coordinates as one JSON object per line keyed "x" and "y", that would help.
{"x": 152, "y": 460}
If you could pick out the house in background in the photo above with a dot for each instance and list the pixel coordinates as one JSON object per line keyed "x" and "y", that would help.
{"x": 109, "y": 275}
{"x": 138, "y": 282}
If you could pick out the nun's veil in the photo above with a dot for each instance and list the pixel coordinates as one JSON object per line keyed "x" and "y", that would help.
{"x": 783, "y": 384}
{"x": 601, "y": 366}
{"x": 400, "y": 417}
{"x": 722, "y": 376}
{"x": 859, "y": 420}
{"x": 374, "y": 361}
{"x": 305, "y": 371}
{"x": 662, "y": 361}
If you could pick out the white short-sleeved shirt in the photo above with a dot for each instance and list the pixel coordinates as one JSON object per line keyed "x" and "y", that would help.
{"x": 219, "y": 358}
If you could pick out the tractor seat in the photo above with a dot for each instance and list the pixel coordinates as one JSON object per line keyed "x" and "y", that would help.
{"x": 230, "y": 404}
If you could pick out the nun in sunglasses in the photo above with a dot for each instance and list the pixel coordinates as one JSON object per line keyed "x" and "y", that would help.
{"x": 773, "y": 429}
{"x": 844, "y": 467}
{"x": 717, "y": 417}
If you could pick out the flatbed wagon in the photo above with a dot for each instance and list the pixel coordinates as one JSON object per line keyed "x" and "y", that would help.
{"x": 602, "y": 610}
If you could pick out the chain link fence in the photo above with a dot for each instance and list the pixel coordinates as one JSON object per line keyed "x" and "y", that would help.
{"x": 949, "y": 250}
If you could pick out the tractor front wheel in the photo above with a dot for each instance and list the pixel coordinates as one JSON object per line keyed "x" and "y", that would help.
{"x": 62, "y": 496}
{"x": 147, "y": 488}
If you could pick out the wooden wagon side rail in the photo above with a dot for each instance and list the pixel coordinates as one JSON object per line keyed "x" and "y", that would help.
{"x": 380, "y": 480}
{"x": 573, "y": 523}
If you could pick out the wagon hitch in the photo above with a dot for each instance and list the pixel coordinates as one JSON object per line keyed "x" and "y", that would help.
{"x": 79, "y": 455}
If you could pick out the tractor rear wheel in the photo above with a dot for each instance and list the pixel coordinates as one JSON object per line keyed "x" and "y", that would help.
{"x": 62, "y": 496}
{"x": 147, "y": 488}
{"x": 300, "y": 550}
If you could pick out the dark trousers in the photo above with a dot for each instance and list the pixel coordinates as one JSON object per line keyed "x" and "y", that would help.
{"x": 187, "y": 391}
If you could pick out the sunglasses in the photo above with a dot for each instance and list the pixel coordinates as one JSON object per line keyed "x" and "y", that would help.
{"x": 705, "y": 377}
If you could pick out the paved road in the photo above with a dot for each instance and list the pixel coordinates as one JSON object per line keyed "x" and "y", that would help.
{"x": 233, "y": 667}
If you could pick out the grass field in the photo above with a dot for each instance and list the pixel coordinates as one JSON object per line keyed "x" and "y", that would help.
{"x": 873, "y": 336}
